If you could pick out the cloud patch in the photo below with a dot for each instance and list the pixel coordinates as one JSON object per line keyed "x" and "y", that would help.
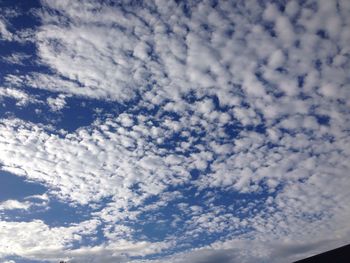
{"x": 230, "y": 128}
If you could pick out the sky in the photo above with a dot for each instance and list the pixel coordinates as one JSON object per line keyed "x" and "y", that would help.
{"x": 173, "y": 131}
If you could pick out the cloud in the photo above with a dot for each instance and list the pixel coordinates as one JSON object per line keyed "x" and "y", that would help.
{"x": 35, "y": 240}
{"x": 128, "y": 161}
{"x": 29, "y": 238}
{"x": 29, "y": 203}
{"x": 57, "y": 103}
{"x": 16, "y": 58}
{"x": 5, "y": 34}
{"x": 14, "y": 204}
{"x": 234, "y": 130}
{"x": 21, "y": 96}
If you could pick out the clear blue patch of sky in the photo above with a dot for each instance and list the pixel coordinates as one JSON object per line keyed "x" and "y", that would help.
{"x": 82, "y": 112}
{"x": 16, "y": 187}
{"x": 63, "y": 214}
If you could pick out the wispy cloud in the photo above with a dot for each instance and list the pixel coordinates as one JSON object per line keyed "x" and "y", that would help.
{"x": 234, "y": 131}
{"x": 5, "y": 34}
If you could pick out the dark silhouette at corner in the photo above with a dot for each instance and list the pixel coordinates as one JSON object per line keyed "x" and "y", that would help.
{"x": 338, "y": 255}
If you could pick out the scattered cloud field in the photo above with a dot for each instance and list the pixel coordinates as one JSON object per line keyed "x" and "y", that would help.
{"x": 173, "y": 131}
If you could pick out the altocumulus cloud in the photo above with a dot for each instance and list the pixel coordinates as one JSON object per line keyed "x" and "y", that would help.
{"x": 219, "y": 130}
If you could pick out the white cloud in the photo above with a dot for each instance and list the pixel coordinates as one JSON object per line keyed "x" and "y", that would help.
{"x": 27, "y": 238}
{"x": 5, "y": 34}
{"x": 14, "y": 204}
{"x": 29, "y": 203}
{"x": 276, "y": 60}
{"x": 98, "y": 156}
{"x": 16, "y": 58}
{"x": 276, "y": 81}
{"x": 35, "y": 240}
{"x": 22, "y": 97}
{"x": 58, "y": 103}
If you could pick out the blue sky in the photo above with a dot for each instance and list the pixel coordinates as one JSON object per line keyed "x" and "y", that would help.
{"x": 173, "y": 131}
